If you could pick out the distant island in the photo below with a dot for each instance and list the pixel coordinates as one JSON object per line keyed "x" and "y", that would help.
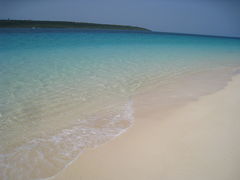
{"x": 64, "y": 24}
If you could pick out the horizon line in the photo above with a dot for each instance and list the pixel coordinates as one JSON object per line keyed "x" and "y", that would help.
{"x": 150, "y": 31}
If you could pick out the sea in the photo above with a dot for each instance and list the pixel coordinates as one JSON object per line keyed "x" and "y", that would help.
{"x": 63, "y": 91}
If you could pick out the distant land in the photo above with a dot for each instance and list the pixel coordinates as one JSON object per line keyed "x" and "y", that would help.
{"x": 64, "y": 24}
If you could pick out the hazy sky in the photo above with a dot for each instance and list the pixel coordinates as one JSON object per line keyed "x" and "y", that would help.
{"x": 215, "y": 17}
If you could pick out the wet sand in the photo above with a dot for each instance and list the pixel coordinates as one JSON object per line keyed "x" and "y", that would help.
{"x": 197, "y": 141}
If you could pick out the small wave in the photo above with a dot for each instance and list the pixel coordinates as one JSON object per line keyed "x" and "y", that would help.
{"x": 44, "y": 157}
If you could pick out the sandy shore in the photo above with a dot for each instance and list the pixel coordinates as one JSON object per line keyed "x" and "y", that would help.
{"x": 199, "y": 141}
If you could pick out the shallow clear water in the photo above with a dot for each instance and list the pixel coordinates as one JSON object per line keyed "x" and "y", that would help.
{"x": 62, "y": 91}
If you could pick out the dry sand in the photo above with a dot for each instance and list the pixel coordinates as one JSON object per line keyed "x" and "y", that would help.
{"x": 199, "y": 141}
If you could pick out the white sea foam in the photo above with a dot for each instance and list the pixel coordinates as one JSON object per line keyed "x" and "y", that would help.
{"x": 46, "y": 156}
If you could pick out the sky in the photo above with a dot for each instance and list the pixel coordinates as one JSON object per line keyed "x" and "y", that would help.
{"x": 210, "y": 17}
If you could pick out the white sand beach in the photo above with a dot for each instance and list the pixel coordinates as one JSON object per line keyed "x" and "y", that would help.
{"x": 197, "y": 141}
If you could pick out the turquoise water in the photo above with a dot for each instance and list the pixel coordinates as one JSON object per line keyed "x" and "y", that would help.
{"x": 62, "y": 91}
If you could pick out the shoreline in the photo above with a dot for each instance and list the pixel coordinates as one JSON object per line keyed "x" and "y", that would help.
{"x": 76, "y": 93}
{"x": 164, "y": 146}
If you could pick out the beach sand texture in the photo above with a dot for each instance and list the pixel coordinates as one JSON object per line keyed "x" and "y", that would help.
{"x": 197, "y": 141}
